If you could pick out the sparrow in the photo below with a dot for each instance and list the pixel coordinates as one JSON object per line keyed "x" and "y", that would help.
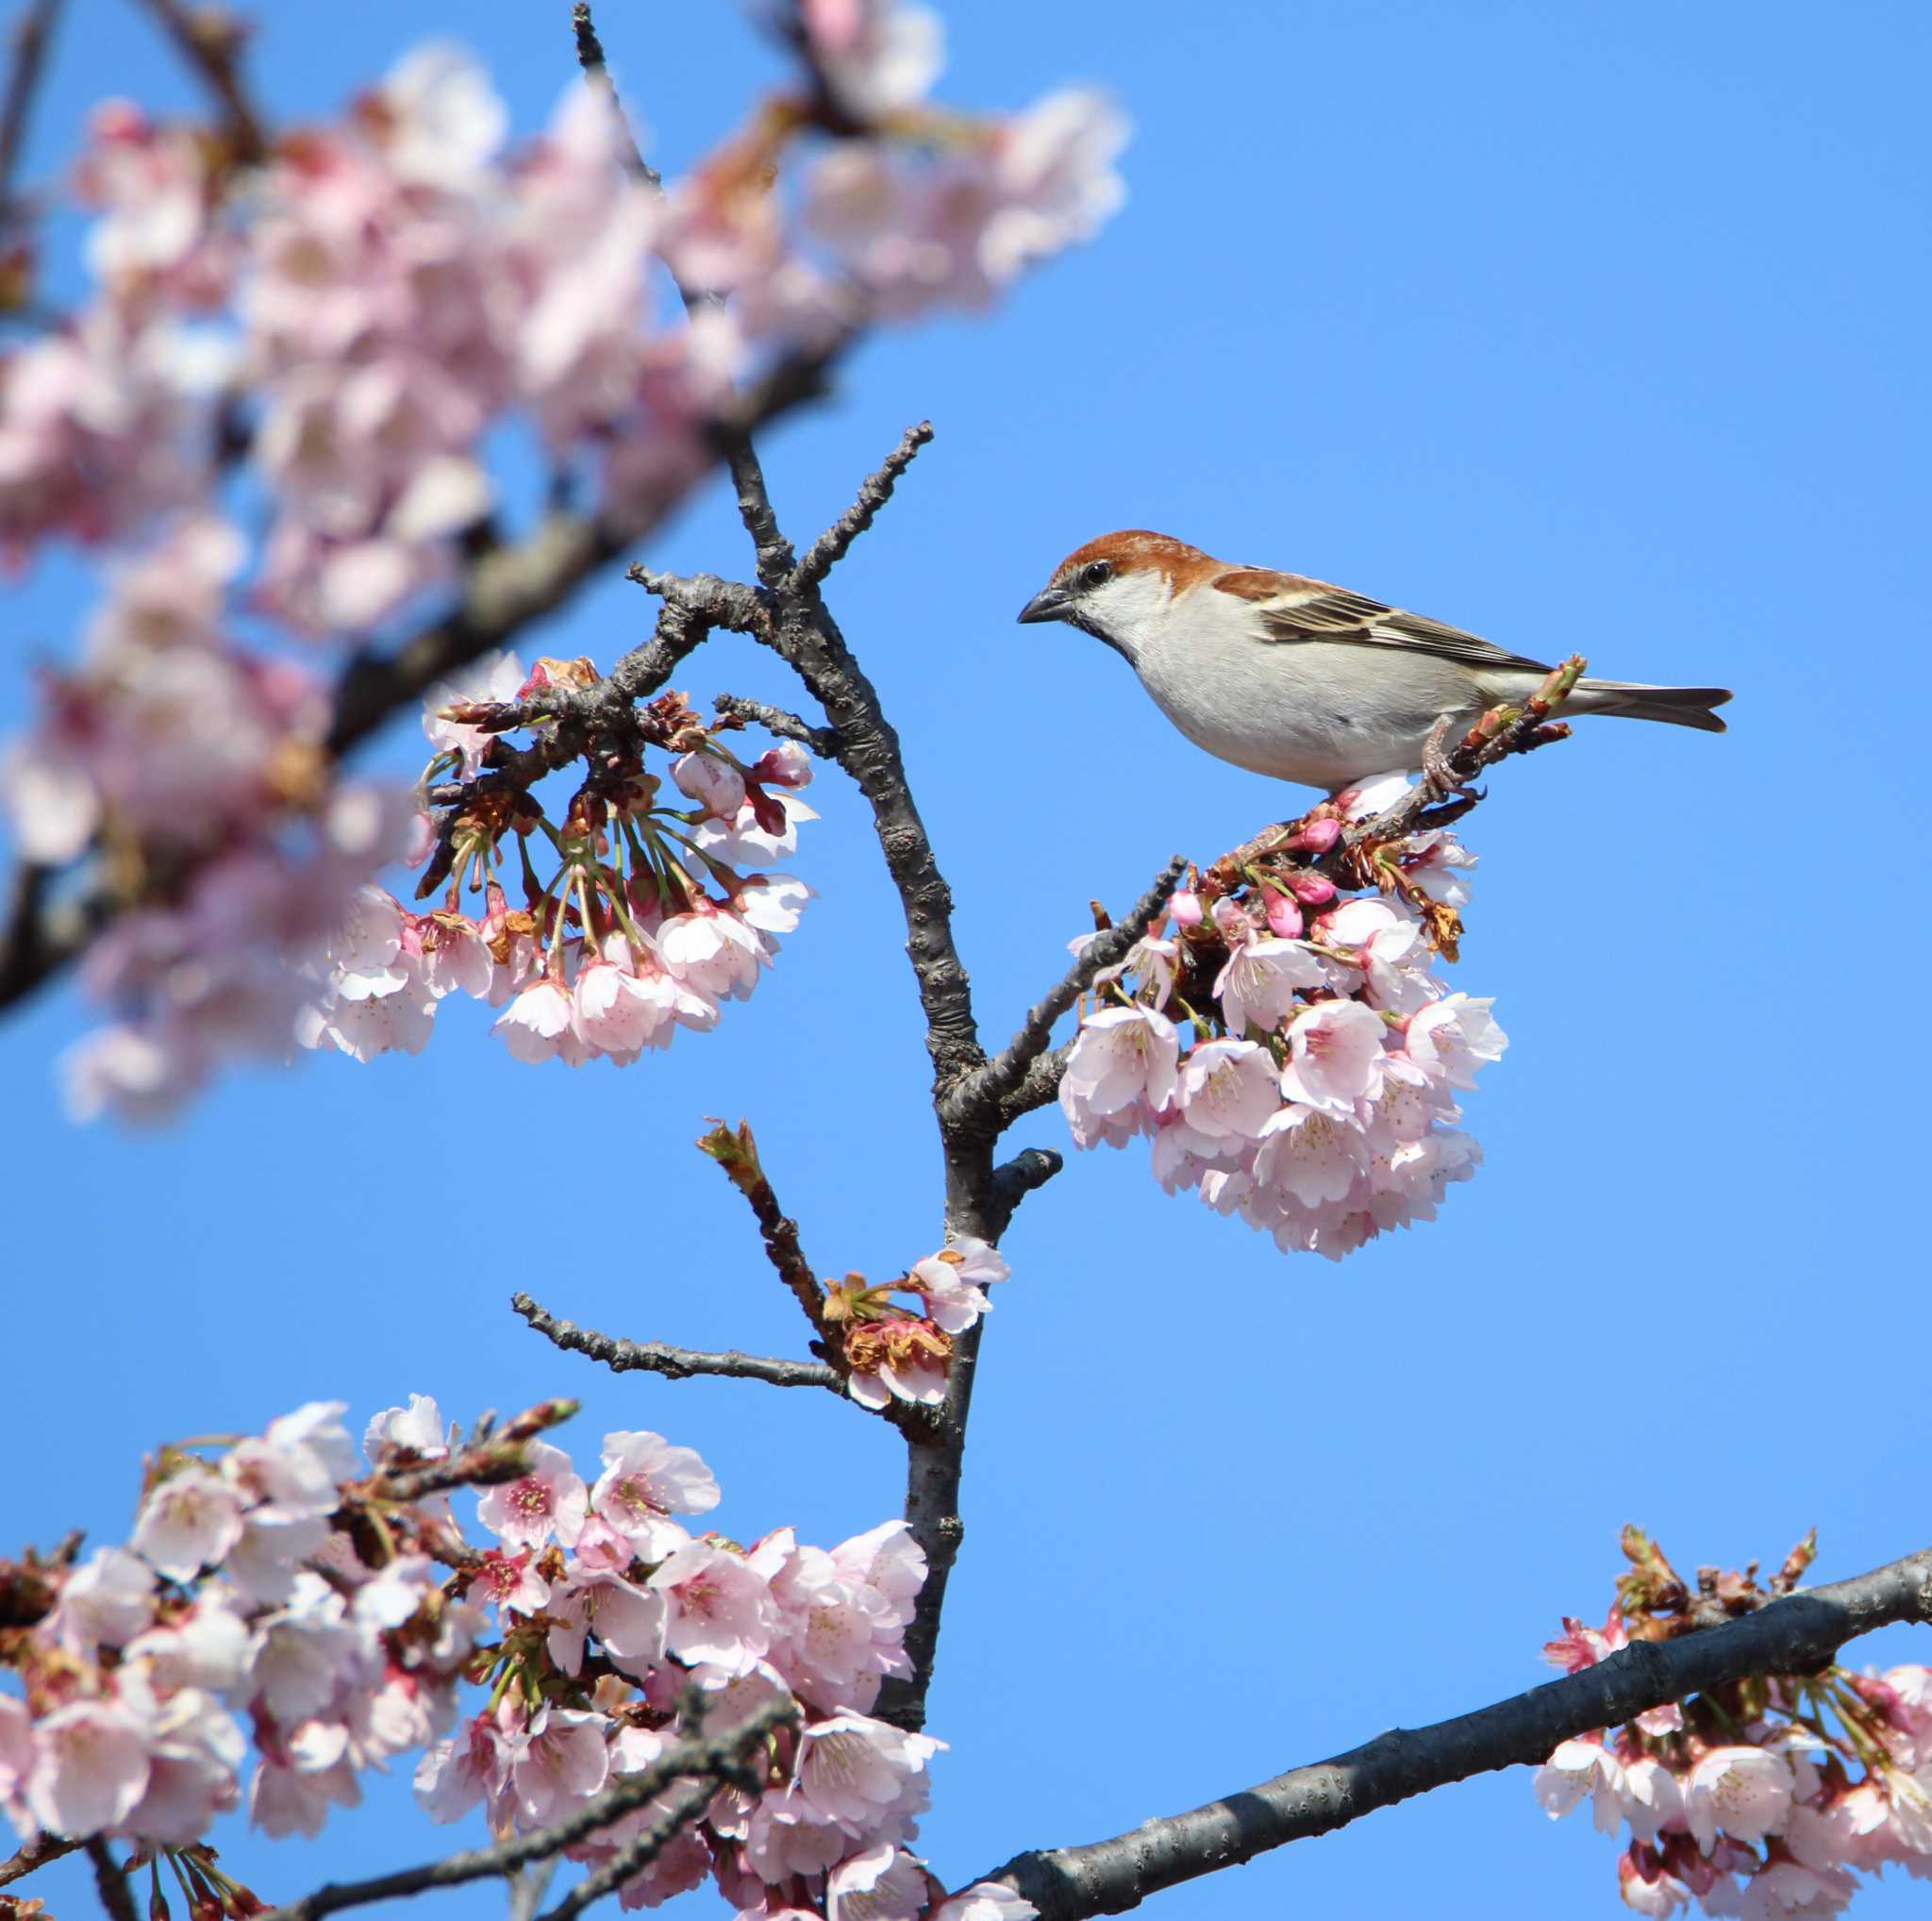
{"x": 1301, "y": 679}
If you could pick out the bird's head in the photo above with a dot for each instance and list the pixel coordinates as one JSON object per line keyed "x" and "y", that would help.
{"x": 1110, "y": 587}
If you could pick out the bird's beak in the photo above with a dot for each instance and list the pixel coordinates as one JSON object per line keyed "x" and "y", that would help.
{"x": 1050, "y": 603}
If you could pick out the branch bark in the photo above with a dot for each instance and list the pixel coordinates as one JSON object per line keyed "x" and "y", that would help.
{"x": 32, "y": 34}
{"x": 211, "y": 41}
{"x": 704, "y": 1757}
{"x": 1799, "y": 1634}
{"x": 110, "y": 1881}
{"x": 976, "y": 1102}
{"x": 34, "y": 1854}
{"x": 674, "y": 1364}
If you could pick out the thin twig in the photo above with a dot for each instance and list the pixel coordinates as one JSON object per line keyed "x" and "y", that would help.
{"x": 31, "y": 37}
{"x": 775, "y": 720}
{"x": 528, "y": 1887}
{"x": 975, "y": 1100}
{"x": 1797, "y": 1635}
{"x": 873, "y": 491}
{"x": 683, "y": 1805}
{"x": 34, "y": 1853}
{"x": 737, "y": 1153}
{"x": 674, "y": 1364}
{"x": 702, "y": 1757}
{"x": 110, "y": 1881}
{"x": 211, "y": 41}
{"x": 488, "y": 1465}
{"x": 597, "y": 72}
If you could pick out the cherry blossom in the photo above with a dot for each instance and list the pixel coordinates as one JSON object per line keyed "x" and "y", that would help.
{"x": 549, "y": 1500}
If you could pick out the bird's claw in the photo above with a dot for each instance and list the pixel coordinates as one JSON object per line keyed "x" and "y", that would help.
{"x": 1439, "y": 775}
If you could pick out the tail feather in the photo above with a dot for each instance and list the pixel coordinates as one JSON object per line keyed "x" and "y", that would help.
{"x": 1681, "y": 707}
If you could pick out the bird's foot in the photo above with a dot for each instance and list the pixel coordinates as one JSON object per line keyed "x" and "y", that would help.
{"x": 1439, "y": 775}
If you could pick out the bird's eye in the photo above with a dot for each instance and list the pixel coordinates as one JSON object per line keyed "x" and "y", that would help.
{"x": 1096, "y": 573}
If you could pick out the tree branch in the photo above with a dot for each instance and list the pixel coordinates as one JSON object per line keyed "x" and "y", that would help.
{"x": 674, "y": 1364}
{"x": 211, "y": 41}
{"x": 597, "y": 72}
{"x": 976, "y": 1100}
{"x": 32, "y": 33}
{"x": 110, "y": 1881}
{"x": 1797, "y": 1635}
{"x": 702, "y": 1757}
{"x": 1014, "y": 1179}
{"x": 738, "y": 1155}
{"x": 873, "y": 491}
{"x": 788, "y": 726}
{"x": 684, "y": 1806}
{"x": 34, "y": 1853}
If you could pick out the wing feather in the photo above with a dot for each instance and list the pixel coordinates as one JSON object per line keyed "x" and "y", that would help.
{"x": 1311, "y": 611}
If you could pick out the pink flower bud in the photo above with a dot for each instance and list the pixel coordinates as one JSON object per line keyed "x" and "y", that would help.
{"x": 1311, "y": 890}
{"x": 1185, "y": 908}
{"x": 1284, "y": 917}
{"x": 1318, "y": 836}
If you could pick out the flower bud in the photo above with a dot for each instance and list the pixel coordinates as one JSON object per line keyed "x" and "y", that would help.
{"x": 1284, "y": 917}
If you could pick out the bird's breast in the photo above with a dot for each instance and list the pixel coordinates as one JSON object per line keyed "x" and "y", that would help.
{"x": 1307, "y": 710}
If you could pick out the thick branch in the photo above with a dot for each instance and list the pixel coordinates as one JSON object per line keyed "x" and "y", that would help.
{"x": 674, "y": 1364}
{"x": 873, "y": 491}
{"x": 1014, "y": 1179}
{"x": 1039, "y": 1087}
{"x": 1798, "y": 1635}
{"x": 703, "y": 1758}
{"x": 976, "y": 1099}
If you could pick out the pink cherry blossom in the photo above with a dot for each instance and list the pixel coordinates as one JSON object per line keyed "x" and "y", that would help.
{"x": 720, "y": 1611}
{"x": 415, "y": 1434}
{"x": 556, "y": 1761}
{"x": 190, "y": 1521}
{"x": 536, "y": 1023}
{"x": 884, "y": 1883}
{"x": 985, "y": 1901}
{"x": 1258, "y": 984}
{"x": 1121, "y": 1054}
{"x": 453, "y": 1777}
{"x": 1228, "y": 1087}
{"x": 549, "y": 1500}
{"x": 645, "y": 1480}
{"x": 104, "y": 1602}
{"x": 90, "y": 1767}
{"x": 1453, "y": 1037}
{"x": 1743, "y": 1791}
{"x": 1334, "y": 1056}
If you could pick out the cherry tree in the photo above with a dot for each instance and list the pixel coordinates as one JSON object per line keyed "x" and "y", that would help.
{"x": 267, "y": 426}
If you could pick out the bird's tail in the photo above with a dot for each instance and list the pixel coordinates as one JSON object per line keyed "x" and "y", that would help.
{"x": 1682, "y": 707}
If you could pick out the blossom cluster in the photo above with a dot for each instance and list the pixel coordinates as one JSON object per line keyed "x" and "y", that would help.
{"x": 649, "y": 920}
{"x": 275, "y": 1592}
{"x": 1292, "y": 1055}
{"x": 889, "y": 1352}
{"x": 1765, "y": 1798}
{"x": 345, "y": 322}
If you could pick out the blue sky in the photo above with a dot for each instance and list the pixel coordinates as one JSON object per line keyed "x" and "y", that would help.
{"x": 1589, "y": 327}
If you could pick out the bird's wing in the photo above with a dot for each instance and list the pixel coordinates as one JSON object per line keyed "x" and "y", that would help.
{"x": 1293, "y": 607}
